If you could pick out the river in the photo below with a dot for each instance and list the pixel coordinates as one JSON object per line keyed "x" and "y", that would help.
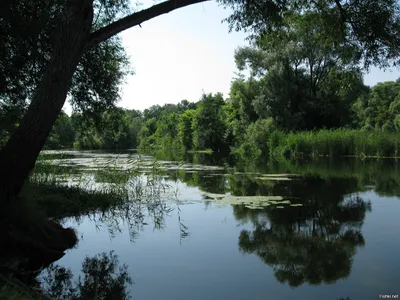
{"x": 215, "y": 230}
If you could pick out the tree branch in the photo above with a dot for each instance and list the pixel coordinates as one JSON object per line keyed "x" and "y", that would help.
{"x": 345, "y": 18}
{"x": 137, "y": 18}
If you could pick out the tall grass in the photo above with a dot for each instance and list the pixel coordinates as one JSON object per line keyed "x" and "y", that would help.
{"x": 63, "y": 194}
{"x": 334, "y": 143}
{"x": 131, "y": 192}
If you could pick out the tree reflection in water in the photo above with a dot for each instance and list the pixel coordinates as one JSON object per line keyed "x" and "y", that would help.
{"x": 314, "y": 243}
{"x": 103, "y": 278}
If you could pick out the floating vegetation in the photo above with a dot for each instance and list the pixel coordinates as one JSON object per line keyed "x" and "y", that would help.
{"x": 278, "y": 177}
{"x": 141, "y": 177}
{"x": 246, "y": 173}
{"x": 253, "y": 202}
{"x": 274, "y": 178}
{"x": 281, "y": 175}
{"x": 90, "y": 161}
{"x": 206, "y": 151}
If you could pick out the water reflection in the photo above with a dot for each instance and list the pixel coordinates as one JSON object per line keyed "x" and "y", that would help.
{"x": 210, "y": 183}
{"x": 200, "y": 169}
{"x": 103, "y": 278}
{"x": 381, "y": 175}
{"x": 133, "y": 216}
{"x": 314, "y": 243}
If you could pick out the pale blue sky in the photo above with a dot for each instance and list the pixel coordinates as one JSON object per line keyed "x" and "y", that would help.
{"x": 181, "y": 54}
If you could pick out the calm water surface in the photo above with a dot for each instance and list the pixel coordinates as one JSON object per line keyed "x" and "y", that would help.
{"x": 336, "y": 233}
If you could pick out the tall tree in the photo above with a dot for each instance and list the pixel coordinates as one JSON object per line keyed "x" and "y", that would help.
{"x": 372, "y": 25}
{"x": 302, "y": 65}
{"x": 62, "y": 134}
{"x": 242, "y": 94}
{"x": 208, "y": 125}
{"x": 379, "y": 108}
{"x": 73, "y": 34}
{"x": 185, "y": 131}
{"x": 72, "y": 30}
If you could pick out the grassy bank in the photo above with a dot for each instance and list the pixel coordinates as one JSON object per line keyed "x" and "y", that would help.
{"x": 334, "y": 143}
{"x": 31, "y": 223}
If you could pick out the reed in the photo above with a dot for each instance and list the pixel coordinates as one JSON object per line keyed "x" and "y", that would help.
{"x": 334, "y": 143}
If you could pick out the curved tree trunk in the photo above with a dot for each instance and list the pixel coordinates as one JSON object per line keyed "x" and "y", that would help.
{"x": 19, "y": 155}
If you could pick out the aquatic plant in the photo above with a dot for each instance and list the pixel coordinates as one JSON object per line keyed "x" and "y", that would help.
{"x": 335, "y": 143}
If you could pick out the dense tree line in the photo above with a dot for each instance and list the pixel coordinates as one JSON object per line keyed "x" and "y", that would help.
{"x": 245, "y": 121}
{"x": 303, "y": 76}
{"x": 306, "y": 60}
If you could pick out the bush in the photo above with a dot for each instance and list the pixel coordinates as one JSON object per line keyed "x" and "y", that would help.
{"x": 335, "y": 143}
{"x": 256, "y": 139}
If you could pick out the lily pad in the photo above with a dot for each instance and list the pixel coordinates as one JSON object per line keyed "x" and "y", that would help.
{"x": 274, "y": 178}
{"x": 249, "y": 201}
{"x": 281, "y": 175}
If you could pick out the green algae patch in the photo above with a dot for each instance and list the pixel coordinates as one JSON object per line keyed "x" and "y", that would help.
{"x": 253, "y": 202}
{"x": 254, "y": 206}
{"x": 214, "y": 196}
{"x": 245, "y": 173}
{"x": 285, "y": 202}
{"x": 281, "y": 175}
{"x": 274, "y": 178}
{"x": 278, "y": 177}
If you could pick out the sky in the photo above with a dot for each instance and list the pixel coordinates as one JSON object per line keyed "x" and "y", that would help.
{"x": 187, "y": 52}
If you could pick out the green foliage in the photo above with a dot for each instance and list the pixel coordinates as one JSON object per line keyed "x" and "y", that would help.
{"x": 167, "y": 131}
{"x": 304, "y": 63}
{"x": 256, "y": 139}
{"x": 96, "y": 82}
{"x": 161, "y": 126}
{"x": 379, "y": 107}
{"x": 208, "y": 125}
{"x": 28, "y": 31}
{"x": 338, "y": 143}
{"x": 308, "y": 74}
{"x": 185, "y": 132}
{"x": 62, "y": 135}
{"x": 241, "y": 96}
{"x": 117, "y": 129}
{"x": 372, "y": 26}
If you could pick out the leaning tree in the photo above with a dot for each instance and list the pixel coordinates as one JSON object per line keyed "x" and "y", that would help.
{"x": 72, "y": 30}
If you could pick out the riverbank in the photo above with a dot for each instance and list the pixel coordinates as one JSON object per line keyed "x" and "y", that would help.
{"x": 33, "y": 236}
{"x": 333, "y": 143}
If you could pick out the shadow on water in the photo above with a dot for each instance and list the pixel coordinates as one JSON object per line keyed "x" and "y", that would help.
{"x": 31, "y": 246}
{"x": 32, "y": 236}
{"x": 30, "y": 241}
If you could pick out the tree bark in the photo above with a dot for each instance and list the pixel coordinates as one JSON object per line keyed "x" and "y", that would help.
{"x": 19, "y": 155}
